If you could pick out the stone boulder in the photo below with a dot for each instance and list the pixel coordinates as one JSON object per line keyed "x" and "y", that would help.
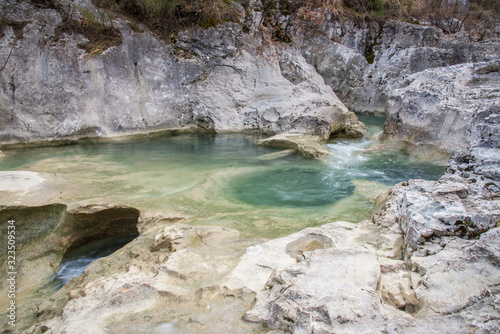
{"x": 308, "y": 145}
{"x": 320, "y": 279}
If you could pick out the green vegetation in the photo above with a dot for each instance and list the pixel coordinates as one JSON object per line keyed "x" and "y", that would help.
{"x": 165, "y": 17}
{"x": 97, "y": 26}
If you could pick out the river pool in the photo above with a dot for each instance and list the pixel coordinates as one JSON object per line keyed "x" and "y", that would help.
{"x": 226, "y": 180}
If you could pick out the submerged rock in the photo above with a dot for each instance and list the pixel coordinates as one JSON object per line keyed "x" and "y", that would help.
{"x": 216, "y": 79}
{"x": 275, "y": 155}
{"x": 20, "y": 182}
{"x": 309, "y": 146}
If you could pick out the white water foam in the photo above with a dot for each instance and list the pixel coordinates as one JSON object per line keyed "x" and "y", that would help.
{"x": 347, "y": 153}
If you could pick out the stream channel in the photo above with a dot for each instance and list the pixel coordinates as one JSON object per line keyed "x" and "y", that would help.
{"x": 225, "y": 180}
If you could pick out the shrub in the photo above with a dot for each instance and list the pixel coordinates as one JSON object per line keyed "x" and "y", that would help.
{"x": 483, "y": 18}
{"x": 96, "y": 26}
{"x": 449, "y": 15}
{"x": 167, "y": 16}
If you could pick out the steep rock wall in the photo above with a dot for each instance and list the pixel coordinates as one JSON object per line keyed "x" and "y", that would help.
{"x": 217, "y": 79}
{"x": 433, "y": 87}
{"x": 363, "y": 63}
{"x": 449, "y": 108}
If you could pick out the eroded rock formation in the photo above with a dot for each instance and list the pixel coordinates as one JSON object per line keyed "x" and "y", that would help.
{"x": 45, "y": 233}
{"x": 217, "y": 79}
{"x": 448, "y": 108}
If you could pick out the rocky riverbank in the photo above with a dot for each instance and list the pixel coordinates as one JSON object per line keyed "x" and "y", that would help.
{"x": 428, "y": 260}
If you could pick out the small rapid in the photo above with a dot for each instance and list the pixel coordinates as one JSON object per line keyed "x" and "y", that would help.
{"x": 75, "y": 262}
{"x": 348, "y": 152}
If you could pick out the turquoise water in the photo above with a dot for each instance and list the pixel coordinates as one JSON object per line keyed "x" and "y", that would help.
{"x": 226, "y": 180}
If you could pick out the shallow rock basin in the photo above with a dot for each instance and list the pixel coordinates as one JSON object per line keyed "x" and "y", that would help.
{"x": 220, "y": 180}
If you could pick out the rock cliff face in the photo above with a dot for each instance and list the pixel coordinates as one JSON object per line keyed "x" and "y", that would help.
{"x": 407, "y": 72}
{"x": 217, "y": 79}
{"x": 363, "y": 64}
{"x": 450, "y": 108}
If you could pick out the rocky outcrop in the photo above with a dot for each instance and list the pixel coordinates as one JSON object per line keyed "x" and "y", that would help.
{"x": 320, "y": 281}
{"x": 403, "y": 49}
{"x": 448, "y": 108}
{"x": 450, "y": 229}
{"x": 217, "y": 79}
{"x": 429, "y": 262}
{"x": 364, "y": 63}
{"x": 45, "y": 233}
{"x": 342, "y": 67}
{"x": 167, "y": 279}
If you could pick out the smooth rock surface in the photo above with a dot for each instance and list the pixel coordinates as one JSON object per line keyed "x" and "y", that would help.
{"x": 19, "y": 182}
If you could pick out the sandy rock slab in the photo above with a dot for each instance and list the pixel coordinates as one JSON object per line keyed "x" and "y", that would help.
{"x": 22, "y": 181}
{"x": 33, "y": 188}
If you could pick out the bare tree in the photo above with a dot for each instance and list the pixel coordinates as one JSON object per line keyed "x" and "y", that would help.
{"x": 449, "y": 15}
